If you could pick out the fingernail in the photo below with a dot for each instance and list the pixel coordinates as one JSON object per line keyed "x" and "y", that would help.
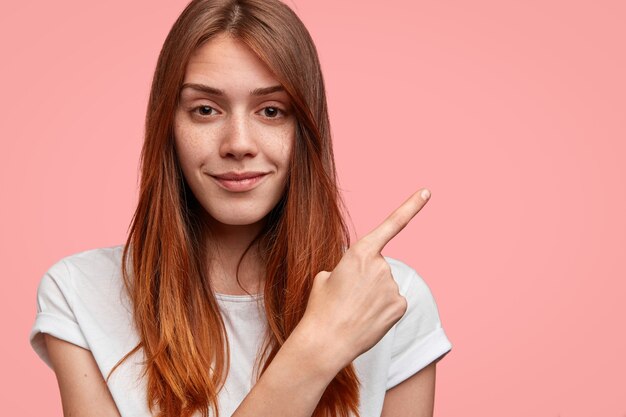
{"x": 425, "y": 194}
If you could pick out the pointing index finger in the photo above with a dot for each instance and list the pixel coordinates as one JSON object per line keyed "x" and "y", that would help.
{"x": 391, "y": 226}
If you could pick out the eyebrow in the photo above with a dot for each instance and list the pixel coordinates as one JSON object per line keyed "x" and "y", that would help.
{"x": 217, "y": 92}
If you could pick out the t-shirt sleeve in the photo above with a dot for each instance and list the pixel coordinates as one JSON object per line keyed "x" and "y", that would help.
{"x": 419, "y": 338}
{"x": 55, "y": 315}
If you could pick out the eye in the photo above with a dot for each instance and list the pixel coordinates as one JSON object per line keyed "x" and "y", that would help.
{"x": 271, "y": 112}
{"x": 204, "y": 111}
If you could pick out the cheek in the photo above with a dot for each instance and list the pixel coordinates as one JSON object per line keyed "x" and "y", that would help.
{"x": 285, "y": 152}
{"x": 280, "y": 147}
{"x": 184, "y": 153}
{"x": 188, "y": 145}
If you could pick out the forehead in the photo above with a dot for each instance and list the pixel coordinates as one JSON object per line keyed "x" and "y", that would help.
{"x": 225, "y": 62}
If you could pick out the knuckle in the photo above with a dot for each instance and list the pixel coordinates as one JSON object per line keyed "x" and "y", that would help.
{"x": 321, "y": 275}
{"x": 398, "y": 306}
{"x": 403, "y": 305}
{"x": 383, "y": 267}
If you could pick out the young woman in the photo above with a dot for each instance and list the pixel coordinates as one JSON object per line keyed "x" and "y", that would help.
{"x": 238, "y": 292}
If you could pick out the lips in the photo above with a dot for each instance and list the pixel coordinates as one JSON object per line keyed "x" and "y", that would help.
{"x": 234, "y": 176}
{"x": 239, "y": 181}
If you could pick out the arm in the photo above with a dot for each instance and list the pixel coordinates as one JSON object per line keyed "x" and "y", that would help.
{"x": 348, "y": 312}
{"x": 294, "y": 381}
{"x": 291, "y": 386}
{"x": 414, "y": 397}
{"x": 84, "y": 392}
{"x": 83, "y": 389}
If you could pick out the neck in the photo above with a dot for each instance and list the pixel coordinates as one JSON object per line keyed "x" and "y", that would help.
{"x": 228, "y": 246}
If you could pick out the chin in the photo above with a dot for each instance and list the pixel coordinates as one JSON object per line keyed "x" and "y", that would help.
{"x": 236, "y": 217}
{"x": 239, "y": 221}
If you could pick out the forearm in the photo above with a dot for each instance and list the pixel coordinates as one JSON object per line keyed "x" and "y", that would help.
{"x": 293, "y": 383}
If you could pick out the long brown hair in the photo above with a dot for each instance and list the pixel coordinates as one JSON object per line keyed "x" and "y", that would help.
{"x": 175, "y": 312}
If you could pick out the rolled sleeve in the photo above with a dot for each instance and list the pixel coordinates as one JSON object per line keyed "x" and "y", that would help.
{"x": 55, "y": 315}
{"x": 419, "y": 338}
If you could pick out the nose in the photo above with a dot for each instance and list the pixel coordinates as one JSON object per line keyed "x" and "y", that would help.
{"x": 238, "y": 141}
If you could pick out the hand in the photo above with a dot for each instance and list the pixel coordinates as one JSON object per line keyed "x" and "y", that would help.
{"x": 351, "y": 308}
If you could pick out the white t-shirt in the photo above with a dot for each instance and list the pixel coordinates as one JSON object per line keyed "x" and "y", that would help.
{"x": 81, "y": 299}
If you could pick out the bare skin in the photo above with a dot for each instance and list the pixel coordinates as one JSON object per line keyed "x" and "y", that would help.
{"x": 223, "y": 268}
{"x": 236, "y": 130}
{"x": 349, "y": 310}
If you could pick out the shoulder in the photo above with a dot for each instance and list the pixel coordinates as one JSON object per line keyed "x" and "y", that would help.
{"x": 93, "y": 271}
{"x": 413, "y": 342}
{"x": 401, "y": 271}
{"x": 94, "y": 260}
{"x": 407, "y": 278}
{"x": 79, "y": 296}
{"x": 422, "y": 312}
{"x": 418, "y": 337}
{"x": 88, "y": 264}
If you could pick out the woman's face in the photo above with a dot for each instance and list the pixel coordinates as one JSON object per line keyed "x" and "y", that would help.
{"x": 234, "y": 132}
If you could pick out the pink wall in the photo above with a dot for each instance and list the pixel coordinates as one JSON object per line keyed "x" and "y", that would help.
{"x": 513, "y": 113}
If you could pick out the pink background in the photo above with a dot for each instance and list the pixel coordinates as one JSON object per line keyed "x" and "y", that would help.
{"x": 512, "y": 112}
